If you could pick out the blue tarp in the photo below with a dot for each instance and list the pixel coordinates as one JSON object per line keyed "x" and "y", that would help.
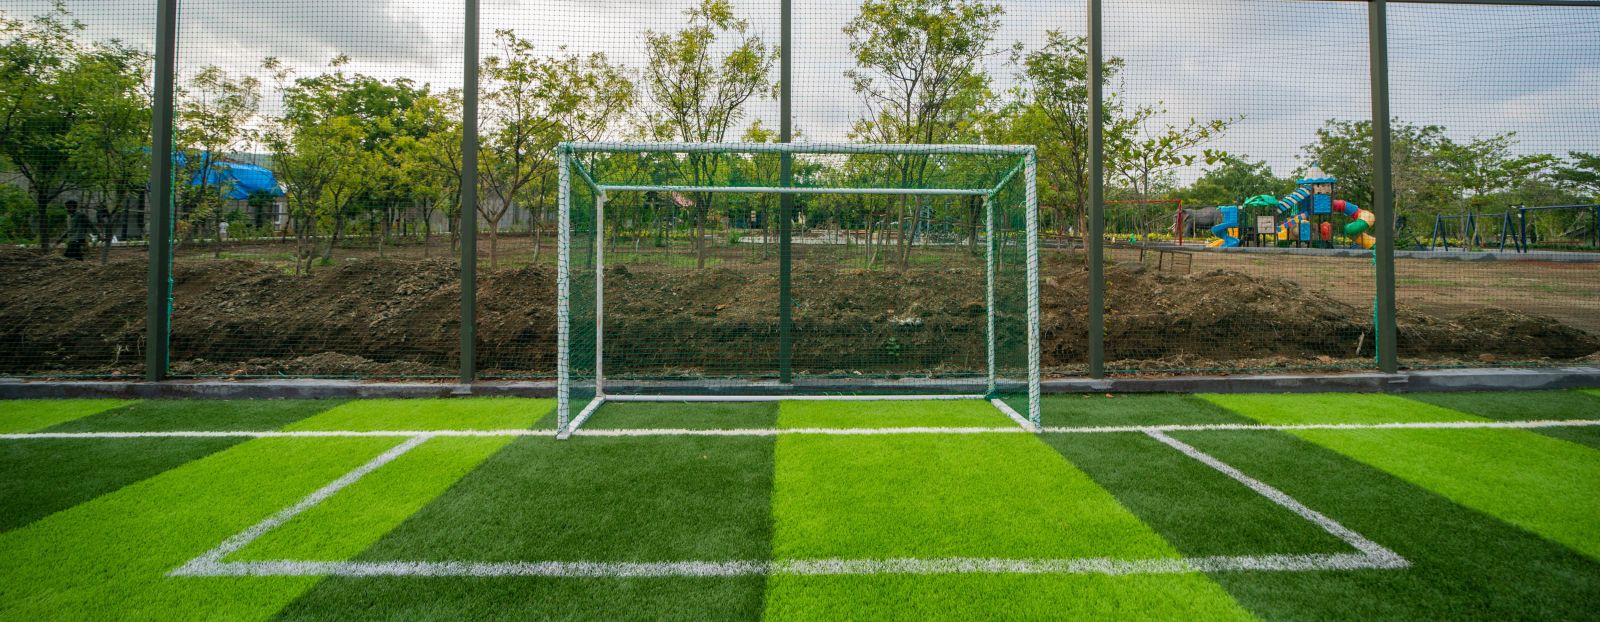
{"x": 241, "y": 179}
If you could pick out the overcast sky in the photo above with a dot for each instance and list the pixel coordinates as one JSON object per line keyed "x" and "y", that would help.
{"x": 1285, "y": 66}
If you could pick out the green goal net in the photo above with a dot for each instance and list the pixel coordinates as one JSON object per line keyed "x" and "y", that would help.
{"x": 765, "y": 270}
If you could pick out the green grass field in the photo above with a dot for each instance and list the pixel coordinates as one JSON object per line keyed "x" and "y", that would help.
{"x": 1194, "y": 507}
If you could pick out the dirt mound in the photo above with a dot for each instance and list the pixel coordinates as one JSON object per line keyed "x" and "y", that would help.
{"x": 399, "y": 318}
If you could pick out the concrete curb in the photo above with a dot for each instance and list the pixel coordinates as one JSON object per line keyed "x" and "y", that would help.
{"x": 1413, "y": 381}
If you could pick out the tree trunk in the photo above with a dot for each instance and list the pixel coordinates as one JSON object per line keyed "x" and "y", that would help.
{"x": 42, "y": 220}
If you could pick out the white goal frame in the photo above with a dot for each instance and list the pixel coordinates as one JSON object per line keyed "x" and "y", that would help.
{"x": 567, "y": 163}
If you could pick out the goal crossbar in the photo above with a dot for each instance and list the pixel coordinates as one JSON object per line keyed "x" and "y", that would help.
{"x": 567, "y": 163}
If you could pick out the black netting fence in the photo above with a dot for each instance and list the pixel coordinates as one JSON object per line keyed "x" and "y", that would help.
{"x": 317, "y": 227}
{"x": 1497, "y": 127}
{"x": 74, "y": 202}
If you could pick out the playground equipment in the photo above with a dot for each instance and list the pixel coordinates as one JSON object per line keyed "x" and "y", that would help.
{"x": 1523, "y": 242}
{"x": 1311, "y": 208}
{"x": 1227, "y": 231}
{"x": 1233, "y": 226}
{"x": 1470, "y": 227}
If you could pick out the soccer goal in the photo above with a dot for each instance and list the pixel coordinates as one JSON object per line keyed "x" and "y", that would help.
{"x": 764, "y": 271}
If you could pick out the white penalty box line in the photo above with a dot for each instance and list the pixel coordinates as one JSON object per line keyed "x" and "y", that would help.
{"x": 1368, "y": 555}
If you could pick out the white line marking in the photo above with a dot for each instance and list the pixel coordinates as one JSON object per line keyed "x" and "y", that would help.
{"x": 244, "y": 538}
{"x": 809, "y": 567}
{"x": 583, "y": 415}
{"x": 1142, "y": 429}
{"x": 1014, "y": 415}
{"x": 795, "y": 431}
{"x": 1361, "y": 543}
{"x": 788, "y": 398}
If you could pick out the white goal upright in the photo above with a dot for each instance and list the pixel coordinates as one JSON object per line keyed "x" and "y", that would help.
{"x": 765, "y": 271}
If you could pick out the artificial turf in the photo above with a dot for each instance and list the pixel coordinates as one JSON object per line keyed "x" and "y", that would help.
{"x": 1197, "y": 509}
{"x": 346, "y": 524}
{"x": 684, "y": 415}
{"x": 204, "y": 415}
{"x": 33, "y": 415}
{"x": 1317, "y": 408}
{"x": 1497, "y": 524}
{"x": 891, "y": 414}
{"x": 108, "y": 557}
{"x": 990, "y": 496}
{"x": 1102, "y": 409}
{"x": 1465, "y": 564}
{"x": 1524, "y": 405}
{"x": 43, "y": 476}
{"x": 1545, "y": 485}
{"x": 491, "y": 413}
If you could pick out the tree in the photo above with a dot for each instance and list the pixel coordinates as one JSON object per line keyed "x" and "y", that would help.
{"x": 533, "y": 103}
{"x": 320, "y": 156}
{"x": 1234, "y": 179}
{"x": 432, "y": 163}
{"x": 919, "y": 71}
{"x": 1055, "y": 115}
{"x": 1146, "y": 155}
{"x": 37, "y": 108}
{"x": 1482, "y": 167}
{"x": 1582, "y": 174}
{"x": 213, "y": 117}
{"x": 107, "y": 143}
{"x": 1344, "y": 150}
{"x": 700, "y": 94}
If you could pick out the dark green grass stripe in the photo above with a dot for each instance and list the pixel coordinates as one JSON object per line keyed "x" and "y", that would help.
{"x": 530, "y": 598}
{"x": 685, "y": 415}
{"x": 1517, "y": 405}
{"x": 478, "y": 413}
{"x": 1466, "y": 564}
{"x": 602, "y": 499}
{"x": 181, "y": 415}
{"x": 1525, "y": 405}
{"x": 1588, "y": 436}
{"x": 1096, "y": 409}
{"x": 1197, "y": 509}
{"x": 44, "y": 476}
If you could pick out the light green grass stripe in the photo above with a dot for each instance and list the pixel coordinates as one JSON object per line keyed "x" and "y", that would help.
{"x": 891, "y": 414}
{"x": 1300, "y": 408}
{"x": 350, "y": 521}
{"x": 1545, "y": 485}
{"x": 961, "y": 496}
{"x": 993, "y": 495}
{"x": 108, "y": 558}
{"x": 33, "y": 415}
{"x": 491, "y": 413}
{"x": 1000, "y": 597}
{"x": 1594, "y": 392}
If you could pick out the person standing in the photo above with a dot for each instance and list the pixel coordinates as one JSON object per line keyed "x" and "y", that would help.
{"x": 78, "y": 228}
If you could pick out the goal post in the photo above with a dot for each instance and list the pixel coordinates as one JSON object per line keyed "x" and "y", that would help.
{"x": 666, "y": 274}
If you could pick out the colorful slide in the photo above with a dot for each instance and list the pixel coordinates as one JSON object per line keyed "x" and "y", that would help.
{"x": 1227, "y": 231}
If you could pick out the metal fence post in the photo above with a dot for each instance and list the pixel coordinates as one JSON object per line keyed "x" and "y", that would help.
{"x": 469, "y": 198}
{"x": 1385, "y": 330}
{"x": 158, "y": 302}
{"x": 785, "y": 207}
{"x": 1097, "y": 180}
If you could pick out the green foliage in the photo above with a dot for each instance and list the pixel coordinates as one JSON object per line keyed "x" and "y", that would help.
{"x": 1232, "y": 180}
{"x": 1054, "y": 113}
{"x": 533, "y": 102}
